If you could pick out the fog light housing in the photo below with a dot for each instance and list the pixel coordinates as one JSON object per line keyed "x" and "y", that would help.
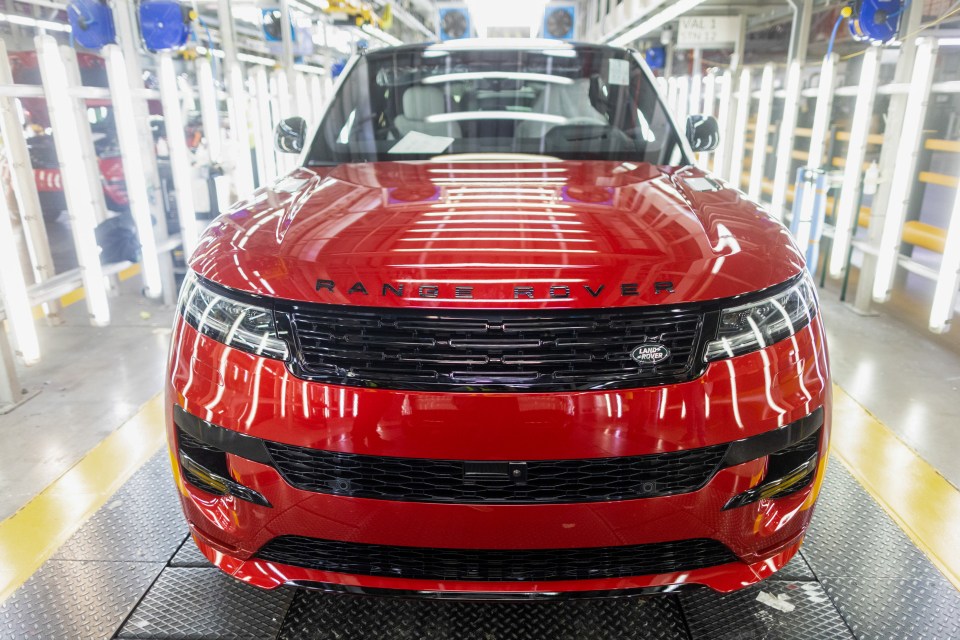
{"x": 205, "y": 467}
{"x": 789, "y": 470}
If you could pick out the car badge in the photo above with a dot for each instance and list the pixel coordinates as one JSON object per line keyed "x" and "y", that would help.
{"x": 650, "y": 354}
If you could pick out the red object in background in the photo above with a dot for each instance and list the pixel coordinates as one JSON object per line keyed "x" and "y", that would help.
{"x": 626, "y": 239}
{"x": 26, "y": 70}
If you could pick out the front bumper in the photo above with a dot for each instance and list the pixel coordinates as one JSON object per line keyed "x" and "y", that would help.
{"x": 737, "y": 399}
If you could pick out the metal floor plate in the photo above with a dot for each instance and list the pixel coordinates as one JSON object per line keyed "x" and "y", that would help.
{"x": 67, "y": 599}
{"x": 202, "y": 604}
{"x": 740, "y": 616}
{"x": 318, "y": 616}
{"x": 141, "y": 523}
{"x": 188, "y": 555}
{"x": 132, "y": 572}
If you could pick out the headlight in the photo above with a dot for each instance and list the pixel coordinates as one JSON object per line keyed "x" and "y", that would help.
{"x": 760, "y": 324}
{"x": 236, "y": 324}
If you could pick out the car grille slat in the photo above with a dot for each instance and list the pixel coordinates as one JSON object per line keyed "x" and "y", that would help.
{"x": 546, "y": 481}
{"x": 466, "y": 350}
{"x": 495, "y": 565}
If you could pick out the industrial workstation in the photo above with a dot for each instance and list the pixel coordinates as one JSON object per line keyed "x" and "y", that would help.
{"x": 479, "y": 319}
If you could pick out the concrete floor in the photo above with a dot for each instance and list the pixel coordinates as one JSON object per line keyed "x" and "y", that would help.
{"x": 92, "y": 380}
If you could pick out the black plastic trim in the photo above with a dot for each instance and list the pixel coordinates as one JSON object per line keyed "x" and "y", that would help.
{"x": 224, "y": 439}
{"x": 496, "y": 565}
{"x": 257, "y": 450}
{"x": 763, "y": 444}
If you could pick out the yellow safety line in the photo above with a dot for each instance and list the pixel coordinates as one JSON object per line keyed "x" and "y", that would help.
{"x": 919, "y": 499}
{"x": 80, "y": 293}
{"x": 34, "y": 533}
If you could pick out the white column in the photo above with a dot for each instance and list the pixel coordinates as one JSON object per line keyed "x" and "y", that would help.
{"x": 847, "y": 210}
{"x": 23, "y": 183}
{"x": 744, "y": 99}
{"x": 78, "y": 167}
{"x": 787, "y": 128}
{"x": 180, "y": 164}
{"x": 762, "y": 132}
{"x": 134, "y": 172}
{"x": 904, "y": 171}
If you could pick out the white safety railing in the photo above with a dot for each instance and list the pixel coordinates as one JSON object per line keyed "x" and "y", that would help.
{"x": 744, "y": 102}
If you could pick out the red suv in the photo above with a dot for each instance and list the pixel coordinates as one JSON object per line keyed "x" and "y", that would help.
{"x": 498, "y": 337}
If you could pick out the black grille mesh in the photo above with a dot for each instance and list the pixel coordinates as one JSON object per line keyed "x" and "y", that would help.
{"x": 494, "y": 565}
{"x": 424, "y": 480}
{"x": 498, "y": 350}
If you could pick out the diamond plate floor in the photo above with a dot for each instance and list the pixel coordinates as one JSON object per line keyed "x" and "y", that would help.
{"x": 132, "y": 572}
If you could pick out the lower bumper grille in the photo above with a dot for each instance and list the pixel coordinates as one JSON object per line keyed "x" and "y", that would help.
{"x": 495, "y": 565}
{"x": 423, "y": 480}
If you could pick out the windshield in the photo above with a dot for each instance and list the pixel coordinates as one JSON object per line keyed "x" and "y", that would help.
{"x": 572, "y": 103}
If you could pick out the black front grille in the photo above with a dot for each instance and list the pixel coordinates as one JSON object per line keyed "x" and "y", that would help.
{"x": 493, "y": 565}
{"x": 424, "y": 480}
{"x": 492, "y": 351}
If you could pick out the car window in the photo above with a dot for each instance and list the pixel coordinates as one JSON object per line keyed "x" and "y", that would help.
{"x": 583, "y": 102}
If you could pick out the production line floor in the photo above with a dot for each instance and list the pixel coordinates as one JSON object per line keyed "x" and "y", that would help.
{"x": 130, "y": 571}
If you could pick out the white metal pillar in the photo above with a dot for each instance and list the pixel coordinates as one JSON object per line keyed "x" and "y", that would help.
{"x": 24, "y": 186}
{"x": 180, "y": 165}
{"x": 129, "y": 42}
{"x": 948, "y": 280}
{"x": 709, "y": 105}
{"x": 265, "y": 152}
{"x": 134, "y": 171}
{"x": 78, "y": 166}
{"x": 721, "y": 157}
{"x": 236, "y": 101}
{"x": 847, "y": 207}
{"x": 905, "y": 168}
{"x": 735, "y": 177}
{"x": 889, "y": 153}
{"x": 822, "y": 111}
{"x": 210, "y": 117}
{"x": 16, "y": 301}
{"x": 785, "y": 141}
{"x": 9, "y": 385}
{"x": 761, "y": 133}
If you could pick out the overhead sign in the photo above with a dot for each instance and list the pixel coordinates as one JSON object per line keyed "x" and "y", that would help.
{"x": 708, "y": 32}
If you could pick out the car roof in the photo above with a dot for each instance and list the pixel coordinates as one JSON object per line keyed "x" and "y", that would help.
{"x": 500, "y": 44}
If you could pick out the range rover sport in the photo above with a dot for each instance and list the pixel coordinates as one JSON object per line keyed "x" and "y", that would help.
{"x": 498, "y": 337}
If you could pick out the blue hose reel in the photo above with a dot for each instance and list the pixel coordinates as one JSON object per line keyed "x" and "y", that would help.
{"x": 164, "y": 24}
{"x": 656, "y": 57}
{"x": 876, "y": 20}
{"x": 91, "y": 23}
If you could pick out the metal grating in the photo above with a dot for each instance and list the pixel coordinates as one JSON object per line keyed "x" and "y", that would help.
{"x": 75, "y": 600}
{"x": 318, "y": 616}
{"x": 424, "y": 480}
{"x": 495, "y": 564}
{"x": 740, "y": 616}
{"x": 199, "y": 604}
{"x": 490, "y": 351}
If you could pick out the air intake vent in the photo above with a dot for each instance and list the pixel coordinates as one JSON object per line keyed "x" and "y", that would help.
{"x": 495, "y": 564}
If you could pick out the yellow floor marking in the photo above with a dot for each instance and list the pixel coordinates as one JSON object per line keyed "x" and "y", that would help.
{"x": 919, "y": 499}
{"x": 31, "y": 535}
{"x": 80, "y": 293}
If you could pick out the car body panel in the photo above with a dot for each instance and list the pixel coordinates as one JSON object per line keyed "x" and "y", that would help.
{"x": 564, "y": 228}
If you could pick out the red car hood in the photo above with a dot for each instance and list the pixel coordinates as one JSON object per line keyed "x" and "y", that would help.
{"x": 507, "y": 235}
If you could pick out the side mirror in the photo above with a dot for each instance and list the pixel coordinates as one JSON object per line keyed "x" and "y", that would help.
{"x": 703, "y": 132}
{"x": 290, "y": 134}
